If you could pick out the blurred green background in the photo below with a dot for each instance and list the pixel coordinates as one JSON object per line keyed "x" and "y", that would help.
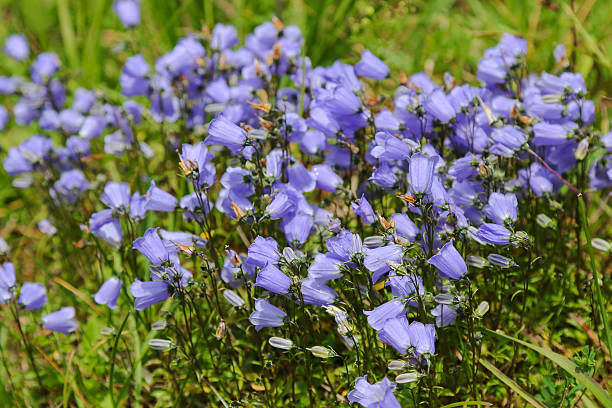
{"x": 434, "y": 36}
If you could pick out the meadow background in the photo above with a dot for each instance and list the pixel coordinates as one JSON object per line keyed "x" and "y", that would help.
{"x": 435, "y": 36}
{"x": 410, "y": 36}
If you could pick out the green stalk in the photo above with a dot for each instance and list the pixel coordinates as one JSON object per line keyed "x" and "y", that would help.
{"x": 112, "y": 361}
{"x": 600, "y": 301}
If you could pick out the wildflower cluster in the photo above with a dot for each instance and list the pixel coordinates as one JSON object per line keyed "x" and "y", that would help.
{"x": 303, "y": 238}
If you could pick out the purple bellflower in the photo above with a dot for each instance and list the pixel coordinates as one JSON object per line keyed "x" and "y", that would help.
{"x": 128, "y": 12}
{"x": 449, "y": 262}
{"x": 502, "y": 208}
{"x": 371, "y": 66}
{"x": 61, "y": 321}
{"x": 224, "y": 132}
{"x": 421, "y": 173}
{"x": 33, "y": 296}
{"x": 273, "y": 279}
{"x": 378, "y": 395}
{"x": 16, "y": 47}
{"x": 363, "y": 209}
{"x": 109, "y": 293}
{"x": 266, "y": 315}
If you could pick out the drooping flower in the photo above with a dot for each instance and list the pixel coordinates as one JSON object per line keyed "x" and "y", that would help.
{"x": 16, "y": 47}
{"x": 494, "y": 234}
{"x": 378, "y": 395}
{"x": 149, "y": 293}
{"x": 384, "y": 312}
{"x": 449, "y": 262}
{"x": 371, "y": 66}
{"x": 316, "y": 292}
{"x": 7, "y": 281}
{"x": 421, "y": 173}
{"x": 33, "y": 296}
{"x": 224, "y": 132}
{"x": 128, "y": 12}
{"x": 377, "y": 260}
{"x": 151, "y": 246}
{"x": 422, "y": 337}
{"x": 273, "y": 279}
{"x": 61, "y": 321}
{"x": 363, "y": 209}
{"x": 502, "y": 208}
{"x": 266, "y": 315}
{"x": 109, "y": 293}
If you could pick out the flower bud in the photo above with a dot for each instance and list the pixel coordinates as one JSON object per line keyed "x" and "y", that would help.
{"x": 397, "y": 365}
{"x": 159, "y": 325}
{"x": 545, "y": 221}
{"x": 280, "y": 343}
{"x": 321, "y": 352}
{"x": 552, "y": 98}
{"x": 521, "y": 238}
{"x": 500, "y": 260}
{"x": 408, "y": 377}
{"x": 602, "y": 245}
{"x": 161, "y": 344}
{"x": 4, "y": 248}
{"x": 444, "y": 299}
{"x": 482, "y": 309}
{"x": 289, "y": 254}
{"x": 477, "y": 261}
{"x": 220, "y": 330}
{"x": 582, "y": 149}
{"x": 107, "y": 331}
{"x": 233, "y": 298}
{"x": 373, "y": 242}
{"x": 344, "y": 327}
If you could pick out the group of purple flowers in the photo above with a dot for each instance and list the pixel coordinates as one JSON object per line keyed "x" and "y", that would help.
{"x": 356, "y": 208}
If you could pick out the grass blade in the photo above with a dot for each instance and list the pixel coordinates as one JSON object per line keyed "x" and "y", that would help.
{"x": 600, "y": 394}
{"x": 601, "y": 304}
{"x": 467, "y": 404}
{"x": 511, "y": 383}
{"x": 63, "y": 12}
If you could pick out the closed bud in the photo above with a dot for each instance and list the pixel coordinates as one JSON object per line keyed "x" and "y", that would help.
{"x": 289, "y": 254}
{"x": 552, "y": 98}
{"x": 444, "y": 299}
{"x": 545, "y": 221}
{"x": 4, "y": 248}
{"x": 321, "y": 352}
{"x": 521, "y": 238}
{"x": 233, "y": 298}
{"x": 344, "y": 327}
{"x": 582, "y": 149}
{"x": 107, "y": 331}
{"x": 397, "y": 365}
{"x": 482, "y": 309}
{"x": 602, "y": 245}
{"x": 159, "y": 325}
{"x": 214, "y": 108}
{"x": 500, "y": 260}
{"x": 161, "y": 344}
{"x": 279, "y": 342}
{"x": 373, "y": 242}
{"x": 408, "y": 377}
{"x": 220, "y": 330}
{"x": 477, "y": 261}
